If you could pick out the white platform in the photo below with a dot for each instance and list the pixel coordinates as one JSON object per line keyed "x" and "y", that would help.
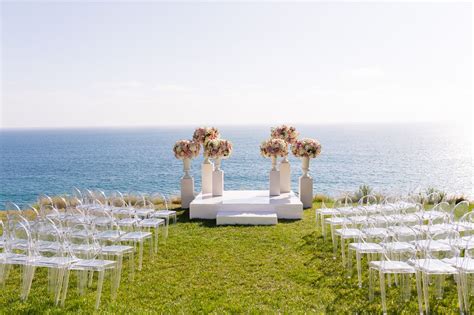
{"x": 246, "y": 218}
{"x": 286, "y": 206}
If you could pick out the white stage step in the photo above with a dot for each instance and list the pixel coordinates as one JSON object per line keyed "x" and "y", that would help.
{"x": 286, "y": 206}
{"x": 246, "y": 218}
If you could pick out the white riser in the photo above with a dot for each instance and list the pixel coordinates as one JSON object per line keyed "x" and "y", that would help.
{"x": 246, "y": 218}
{"x": 286, "y": 206}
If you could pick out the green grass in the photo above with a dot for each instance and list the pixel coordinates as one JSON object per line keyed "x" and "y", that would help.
{"x": 287, "y": 268}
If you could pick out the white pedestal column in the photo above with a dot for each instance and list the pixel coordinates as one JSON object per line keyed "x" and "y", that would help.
{"x": 187, "y": 185}
{"x": 187, "y": 192}
{"x": 285, "y": 176}
{"x": 206, "y": 176}
{"x": 274, "y": 183}
{"x": 306, "y": 191}
{"x": 274, "y": 179}
{"x": 217, "y": 180}
{"x": 306, "y": 185}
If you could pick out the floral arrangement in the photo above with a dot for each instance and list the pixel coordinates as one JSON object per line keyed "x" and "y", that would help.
{"x": 306, "y": 148}
{"x": 218, "y": 148}
{"x": 186, "y": 149}
{"x": 274, "y": 148}
{"x": 203, "y": 134}
{"x": 286, "y": 133}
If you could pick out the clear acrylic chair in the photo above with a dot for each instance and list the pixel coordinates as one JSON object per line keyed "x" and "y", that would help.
{"x": 340, "y": 203}
{"x": 433, "y": 265}
{"x": 386, "y": 267}
{"x": 15, "y": 256}
{"x": 49, "y": 251}
{"x": 367, "y": 244}
{"x": 87, "y": 250}
{"x": 154, "y": 223}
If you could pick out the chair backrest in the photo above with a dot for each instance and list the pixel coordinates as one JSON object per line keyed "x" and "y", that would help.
{"x": 14, "y": 215}
{"x": 449, "y": 237}
{"x": 81, "y": 241}
{"x": 46, "y": 231}
{"x": 116, "y": 200}
{"x": 17, "y": 234}
{"x": 159, "y": 198}
{"x": 345, "y": 201}
{"x": 460, "y": 209}
{"x": 368, "y": 200}
{"x": 444, "y": 207}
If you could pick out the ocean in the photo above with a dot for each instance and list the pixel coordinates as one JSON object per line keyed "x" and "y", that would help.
{"x": 391, "y": 158}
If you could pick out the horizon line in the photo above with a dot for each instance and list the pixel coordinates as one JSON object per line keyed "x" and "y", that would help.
{"x": 171, "y": 126}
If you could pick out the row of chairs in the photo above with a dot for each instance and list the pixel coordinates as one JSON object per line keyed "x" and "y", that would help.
{"x": 402, "y": 238}
{"x": 92, "y": 233}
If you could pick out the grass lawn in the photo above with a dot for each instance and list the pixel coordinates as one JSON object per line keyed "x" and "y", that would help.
{"x": 286, "y": 268}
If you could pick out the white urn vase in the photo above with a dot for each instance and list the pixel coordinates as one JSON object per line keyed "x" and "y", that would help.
{"x": 187, "y": 185}
{"x": 274, "y": 178}
{"x": 207, "y": 168}
{"x": 285, "y": 175}
{"x": 306, "y": 184}
{"x": 217, "y": 179}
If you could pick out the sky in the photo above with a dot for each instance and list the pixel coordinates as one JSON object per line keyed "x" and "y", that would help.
{"x": 103, "y": 64}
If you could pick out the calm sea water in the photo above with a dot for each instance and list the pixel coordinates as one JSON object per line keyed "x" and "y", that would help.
{"x": 390, "y": 158}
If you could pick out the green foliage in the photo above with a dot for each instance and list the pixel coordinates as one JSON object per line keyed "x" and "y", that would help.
{"x": 202, "y": 268}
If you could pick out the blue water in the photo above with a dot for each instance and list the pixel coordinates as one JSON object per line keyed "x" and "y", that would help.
{"x": 390, "y": 158}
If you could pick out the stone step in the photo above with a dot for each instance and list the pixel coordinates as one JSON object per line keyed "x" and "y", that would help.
{"x": 246, "y": 218}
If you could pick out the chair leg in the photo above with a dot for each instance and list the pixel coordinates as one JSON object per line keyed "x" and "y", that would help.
{"x": 419, "y": 292}
{"x": 457, "y": 278}
{"x": 359, "y": 268}
{"x": 424, "y": 278}
{"x": 28, "y": 274}
{"x": 116, "y": 279}
{"x": 157, "y": 230}
{"x": 100, "y": 283}
{"x": 132, "y": 266}
{"x": 59, "y": 283}
{"x": 323, "y": 228}
{"x": 65, "y": 287}
{"x": 349, "y": 262}
{"x": 371, "y": 284}
{"x": 140, "y": 254}
{"x": 334, "y": 242}
{"x": 382, "y": 292}
{"x": 465, "y": 290}
{"x": 343, "y": 251}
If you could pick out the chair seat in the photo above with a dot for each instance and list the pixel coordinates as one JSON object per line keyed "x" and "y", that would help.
{"x": 110, "y": 235}
{"x": 116, "y": 249}
{"x": 136, "y": 236}
{"x": 433, "y": 266}
{"x": 465, "y": 264}
{"x": 348, "y": 233}
{"x": 366, "y": 247}
{"x": 59, "y": 262}
{"x": 433, "y": 245}
{"x": 151, "y": 223}
{"x": 398, "y": 247}
{"x": 375, "y": 232}
{"x": 337, "y": 220}
{"x": 93, "y": 264}
{"x": 144, "y": 212}
{"x": 326, "y": 211}
{"x": 84, "y": 249}
{"x": 127, "y": 222}
{"x": 392, "y": 266}
{"x": 8, "y": 258}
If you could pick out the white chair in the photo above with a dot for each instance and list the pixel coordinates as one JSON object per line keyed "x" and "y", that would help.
{"x": 386, "y": 266}
{"x": 86, "y": 248}
{"x": 434, "y": 265}
{"x": 367, "y": 244}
